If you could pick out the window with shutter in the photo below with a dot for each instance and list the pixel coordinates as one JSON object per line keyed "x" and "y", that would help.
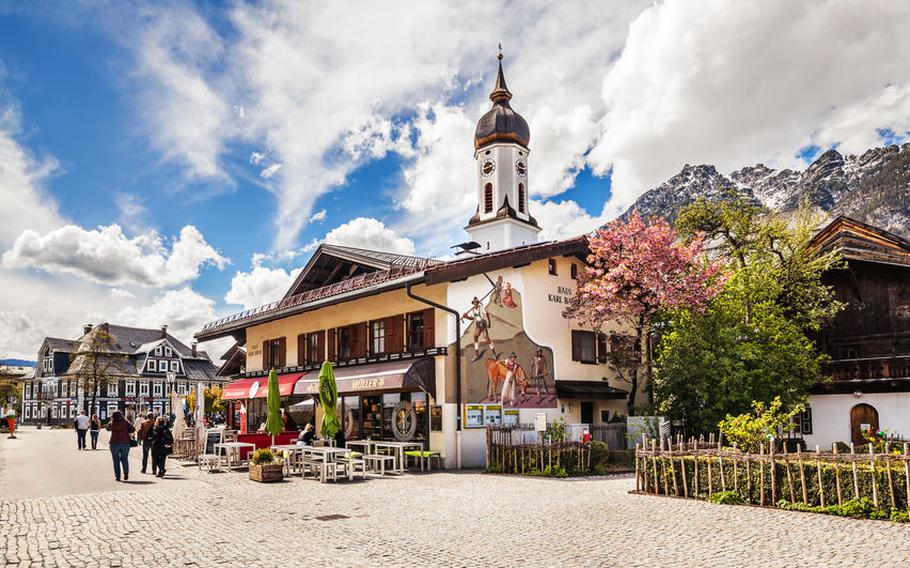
{"x": 266, "y": 354}
{"x": 319, "y": 354}
{"x": 584, "y": 346}
{"x": 395, "y": 334}
{"x": 601, "y": 347}
{"x": 282, "y": 352}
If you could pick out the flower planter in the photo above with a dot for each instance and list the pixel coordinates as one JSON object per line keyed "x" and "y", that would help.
{"x": 267, "y": 473}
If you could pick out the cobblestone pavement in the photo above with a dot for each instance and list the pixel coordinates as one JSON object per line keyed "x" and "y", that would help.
{"x": 436, "y": 519}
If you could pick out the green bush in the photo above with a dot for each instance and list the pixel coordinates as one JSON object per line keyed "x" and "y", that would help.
{"x": 727, "y": 498}
{"x": 862, "y": 508}
{"x": 263, "y": 456}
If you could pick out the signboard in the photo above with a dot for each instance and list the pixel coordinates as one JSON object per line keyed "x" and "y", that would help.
{"x": 540, "y": 422}
{"x": 436, "y": 418}
{"x": 212, "y": 437}
{"x": 510, "y": 417}
{"x": 473, "y": 415}
{"x": 492, "y": 414}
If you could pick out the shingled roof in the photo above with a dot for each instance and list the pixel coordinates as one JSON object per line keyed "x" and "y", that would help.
{"x": 856, "y": 240}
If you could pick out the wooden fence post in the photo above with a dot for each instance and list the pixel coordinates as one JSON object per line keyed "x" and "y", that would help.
{"x": 773, "y": 474}
{"x": 654, "y": 464}
{"x": 637, "y": 470}
{"x": 874, "y": 479}
{"x": 720, "y": 459}
{"x": 888, "y": 470}
{"x": 802, "y": 474}
{"x": 735, "y": 470}
{"x": 855, "y": 474}
{"x": 682, "y": 462}
{"x": 837, "y": 473}
{"x": 907, "y": 472}
{"x": 818, "y": 471}
{"x": 761, "y": 473}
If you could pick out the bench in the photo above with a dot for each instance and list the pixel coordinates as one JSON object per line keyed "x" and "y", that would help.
{"x": 377, "y": 462}
{"x": 212, "y": 461}
{"x": 425, "y": 457}
{"x": 352, "y": 466}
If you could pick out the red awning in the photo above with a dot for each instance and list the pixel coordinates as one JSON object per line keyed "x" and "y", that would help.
{"x": 258, "y": 387}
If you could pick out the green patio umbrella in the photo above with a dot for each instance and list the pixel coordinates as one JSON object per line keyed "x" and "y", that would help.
{"x": 273, "y": 423}
{"x": 328, "y": 398}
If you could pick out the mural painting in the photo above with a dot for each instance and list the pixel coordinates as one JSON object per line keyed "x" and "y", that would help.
{"x": 500, "y": 363}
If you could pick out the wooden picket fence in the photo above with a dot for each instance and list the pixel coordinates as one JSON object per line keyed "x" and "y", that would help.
{"x": 511, "y": 450}
{"x": 696, "y": 469}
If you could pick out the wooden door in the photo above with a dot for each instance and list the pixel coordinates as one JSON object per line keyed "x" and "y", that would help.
{"x": 587, "y": 413}
{"x": 863, "y": 417}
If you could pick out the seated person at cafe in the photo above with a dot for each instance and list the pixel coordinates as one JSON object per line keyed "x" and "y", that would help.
{"x": 288, "y": 422}
{"x": 307, "y": 436}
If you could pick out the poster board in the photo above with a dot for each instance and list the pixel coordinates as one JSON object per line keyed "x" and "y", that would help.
{"x": 212, "y": 437}
{"x": 473, "y": 415}
{"x": 492, "y": 414}
{"x": 436, "y": 418}
{"x": 510, "y": 417}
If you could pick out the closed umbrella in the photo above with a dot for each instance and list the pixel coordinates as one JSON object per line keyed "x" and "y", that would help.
{"x": 177, "y": 409}
{"x": 273, "y": 423}
{"x": 200, "y": 414}
{"x": 328, "y": 398}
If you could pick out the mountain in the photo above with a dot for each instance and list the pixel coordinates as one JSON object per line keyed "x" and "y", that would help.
{"x": 873, "y": 187}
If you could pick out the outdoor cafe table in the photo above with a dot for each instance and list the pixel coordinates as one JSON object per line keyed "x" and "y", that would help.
{"x": 365, "y": 444}
{"x": 291, "y": 449}
{"x": 399, "y": 448}
{"x": 326, "y": 453}
{"x": 230, "y": 449}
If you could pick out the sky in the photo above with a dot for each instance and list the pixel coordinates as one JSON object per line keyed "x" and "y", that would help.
{"x": 174, "y": 162}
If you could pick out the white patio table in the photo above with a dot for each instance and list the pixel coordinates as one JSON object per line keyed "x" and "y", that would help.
{"x": 231, "y": 449}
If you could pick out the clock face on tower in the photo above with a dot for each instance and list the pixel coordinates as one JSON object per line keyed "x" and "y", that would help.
{"x": 521, "y": 168}
{"x": 488, "y": 167}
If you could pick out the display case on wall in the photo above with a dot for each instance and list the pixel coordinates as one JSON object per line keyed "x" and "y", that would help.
{"x": 371, "y": 410}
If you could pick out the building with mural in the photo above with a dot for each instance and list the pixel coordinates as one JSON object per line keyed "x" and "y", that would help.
{"x": 141, "y": 368}
{"x": 434, "y": 350}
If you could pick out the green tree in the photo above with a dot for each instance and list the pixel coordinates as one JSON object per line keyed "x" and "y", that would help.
{"x": 96, "y": 362}
{"x": 213, "y": 402}
{"x": 752, "y": 430}
{"x": 753, "y": 342}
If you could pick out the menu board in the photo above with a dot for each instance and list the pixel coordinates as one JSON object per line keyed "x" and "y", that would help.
{"x": 510, "y": 417}
{"x": 212, "y": 437}
{"x": 436, "y": 418}
{"x": 492, "y": 414}
{"x": 473, "y": 415}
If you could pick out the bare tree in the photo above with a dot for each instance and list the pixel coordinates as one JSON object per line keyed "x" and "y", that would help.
{"x": 96, "y": 362}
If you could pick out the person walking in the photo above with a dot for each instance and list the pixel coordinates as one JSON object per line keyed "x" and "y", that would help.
{"x": 162, "y": 442}
{"x": 119, "y": 444}
{"x": 94, "y": 429}
{"x": 142, "y": 436}
{"x": 81, "y": 423}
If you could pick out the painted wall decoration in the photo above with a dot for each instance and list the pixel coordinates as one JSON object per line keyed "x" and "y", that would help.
{"x": 500, "y": 363}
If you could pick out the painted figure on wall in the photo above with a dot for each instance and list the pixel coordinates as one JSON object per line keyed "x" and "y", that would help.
{"x": 523, "y": 378}
{"x": 481, "y": 322}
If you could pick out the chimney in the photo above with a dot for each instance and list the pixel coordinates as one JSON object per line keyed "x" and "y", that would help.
{"x": 163, "y": 331}
{"x": 86, "y": 328}
{"x": 194, "y": 349}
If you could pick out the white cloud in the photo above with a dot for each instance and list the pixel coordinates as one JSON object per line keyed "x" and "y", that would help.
{"x": 564, "y": 219}
{"x": 269, "y": 170}
{"x": 259, "y": 286}
{"x": 24, "y": 202}
{"x": 184, "y": 311}
{"x": 133, "y": 213}
{"x": 318, "y": 216}
{"x": 368, "y": 233}
{"x": 732, "y": 84}
{"x": 121, "y": 294}
{"x": 856, "y": 127}
{"x": 107, "y": 256}
{"x": 186, "y": 115}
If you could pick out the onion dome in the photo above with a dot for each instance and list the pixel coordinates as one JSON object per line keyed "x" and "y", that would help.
{"x": 501, "y": 123}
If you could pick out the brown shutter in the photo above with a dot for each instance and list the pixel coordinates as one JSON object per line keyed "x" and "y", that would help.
{"x": 319, "y": 356}
{"x": 266, "y": 355}
{"x": 282, "y": 352}
{"x": 363, "y": 338}
{"x": 331, "y": 345}
{"x": 429, "y": 328}
{"x": 394, "y": 342}
{"x": 601, "y": 348}
{"x": 576, "y": 345}
{"x": 301, "y": 349}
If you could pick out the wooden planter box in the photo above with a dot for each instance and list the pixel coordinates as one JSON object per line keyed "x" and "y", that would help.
{"x": 267, "y": 473}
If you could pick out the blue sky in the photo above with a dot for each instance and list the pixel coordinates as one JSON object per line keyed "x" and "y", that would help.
{"x": 178, "y": 161}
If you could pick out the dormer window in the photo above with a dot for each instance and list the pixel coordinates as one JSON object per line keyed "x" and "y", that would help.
{"x": 151, "y": 365}
{"x": 168, "y": 352}
{"x": 158, "y": 351}
{"x": 175, "y": 366}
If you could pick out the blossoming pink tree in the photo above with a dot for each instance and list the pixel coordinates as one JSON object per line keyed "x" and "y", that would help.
{"x": 636, "y": 270}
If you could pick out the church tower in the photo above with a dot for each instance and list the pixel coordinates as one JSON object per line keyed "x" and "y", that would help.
{"x": 501, "y": 157}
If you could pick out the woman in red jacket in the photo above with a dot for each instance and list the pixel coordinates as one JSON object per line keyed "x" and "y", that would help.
{"x": 119, "y": 443}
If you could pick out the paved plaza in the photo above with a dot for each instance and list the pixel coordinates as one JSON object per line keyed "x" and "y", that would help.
{"x": 61, "y": 507}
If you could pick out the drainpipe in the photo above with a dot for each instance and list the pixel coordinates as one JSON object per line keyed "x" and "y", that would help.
{"x": 457, "y": 315}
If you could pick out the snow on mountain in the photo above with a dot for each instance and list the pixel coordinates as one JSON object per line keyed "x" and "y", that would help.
{"x": 873, "y": 187}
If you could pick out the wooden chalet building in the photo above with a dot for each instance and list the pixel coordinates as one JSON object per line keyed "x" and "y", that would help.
{"x": 149, "y": 365}
{"x": 868, "y": 342}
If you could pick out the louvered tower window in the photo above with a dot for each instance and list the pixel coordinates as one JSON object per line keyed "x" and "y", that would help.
{"x": 488, "y": 198}
{"x": 521, "y": 198}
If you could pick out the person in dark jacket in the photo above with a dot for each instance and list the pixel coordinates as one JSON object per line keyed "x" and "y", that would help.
{"x": 162, "y": 445}
{"x": 94, "y": 428}
{"x": 120, "y": 430}
{"x": 288, "y": 422}
{"x": 307, "y": 436}
{"x": 339, "y": 439}
{"x": 142, "y": 434}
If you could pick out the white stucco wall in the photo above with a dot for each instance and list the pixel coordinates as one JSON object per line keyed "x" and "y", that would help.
{"x": 831, "y": 415}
